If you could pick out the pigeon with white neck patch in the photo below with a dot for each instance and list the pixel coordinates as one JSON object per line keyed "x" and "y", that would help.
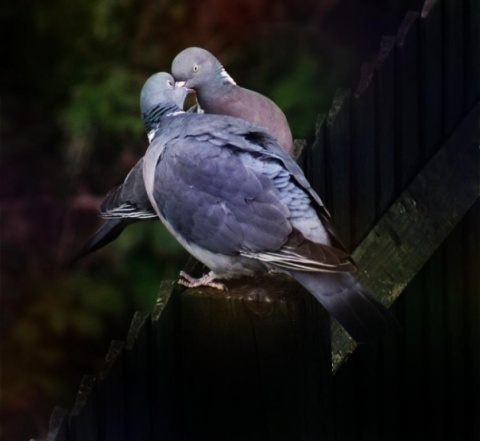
{"x": 216, "y": 92}
{"x": 237, "y": 201}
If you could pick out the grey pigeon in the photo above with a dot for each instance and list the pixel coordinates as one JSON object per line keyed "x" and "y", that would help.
{"x": 216, "y": 91}
{"x": 231, "y": 195}
{"x": 129, "y": 203}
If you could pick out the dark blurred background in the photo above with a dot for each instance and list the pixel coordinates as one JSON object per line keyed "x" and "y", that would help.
{"x": 71, "y": 129}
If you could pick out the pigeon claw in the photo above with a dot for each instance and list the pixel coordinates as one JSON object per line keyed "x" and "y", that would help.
{"x": 206, "y": 280}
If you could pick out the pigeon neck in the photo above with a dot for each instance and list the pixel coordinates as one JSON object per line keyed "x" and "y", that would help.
{"x": 218, "y": 88}
{"x": 225, "y": 78}
{"x": 152, "y": 118}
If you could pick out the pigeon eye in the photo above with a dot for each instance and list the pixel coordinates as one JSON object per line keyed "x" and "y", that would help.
{"x": 195, "y": 67}
{"x": 170, "y": 83}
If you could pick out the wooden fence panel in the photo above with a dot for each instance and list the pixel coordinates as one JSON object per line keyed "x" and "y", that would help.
{"x": 406, "y": 236}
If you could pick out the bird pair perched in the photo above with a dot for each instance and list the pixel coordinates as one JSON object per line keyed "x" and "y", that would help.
{"x": 224, "y": 183}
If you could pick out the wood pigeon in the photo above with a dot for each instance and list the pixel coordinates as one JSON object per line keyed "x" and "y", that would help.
{"x": 216, "y": 91}
{"x": 129, "y": 203}
{"x": 237, "y": 201}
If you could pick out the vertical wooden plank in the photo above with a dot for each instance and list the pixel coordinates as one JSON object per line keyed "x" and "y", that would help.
{"x": 301, "y": 408}
{"x": 363, "y": 155}
{"x": 58, "y": 425}
{"x": 473, "y": 313}
{"x": 456, "y": 336}
{"x": 317, "y": 166}
{"x": 367, "y": 382}
{"x": 216, "y": 353}
{"x": 453, "y": 63}
{"x": 84, "y": 416}
{"x": 472, "y": 53}
{"x": 339, "y": 164}
{"x": 111, "y": 395}
{"x": 408, "y": 155}
{"x": 138, "y": 379}
{"x": 249, "y": 363}
{"x": 165, "y": 365}
{"x": 431, "y": 72}
{"x": 344, "y": 393}
{"x": 389, "y": 388}
{"x": 413, "y": 361}
{"x": 385, "y": 124}
{"x": 436, "y": 330}
{"x": 317, "y": 358}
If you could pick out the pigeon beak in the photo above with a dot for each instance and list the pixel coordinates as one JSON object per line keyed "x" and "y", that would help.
{"x": 184, "y": 84}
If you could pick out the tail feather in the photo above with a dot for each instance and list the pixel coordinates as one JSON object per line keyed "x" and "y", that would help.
{"x": 109, "y": 231}
{"x": 362, "y": 316}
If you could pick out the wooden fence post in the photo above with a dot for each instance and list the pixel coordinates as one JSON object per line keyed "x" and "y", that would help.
{"x": 263, "y": 347}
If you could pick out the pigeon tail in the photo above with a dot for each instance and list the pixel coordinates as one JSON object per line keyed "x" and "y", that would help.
{"x": 108, "y": 232}
{"x": 362, "y": 316}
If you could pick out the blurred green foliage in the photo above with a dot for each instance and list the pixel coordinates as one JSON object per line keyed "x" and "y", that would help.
{"x": 71, "y": 130}
{"x": 105, "y": 104}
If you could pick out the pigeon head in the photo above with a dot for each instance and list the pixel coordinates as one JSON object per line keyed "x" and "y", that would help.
{"x": 196, "y": 68}
{"x": 159, "y": 97}
{"x": 160, "y": 91}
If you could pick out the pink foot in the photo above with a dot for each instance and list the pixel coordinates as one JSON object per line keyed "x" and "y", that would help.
{"x": 206, "y": 280}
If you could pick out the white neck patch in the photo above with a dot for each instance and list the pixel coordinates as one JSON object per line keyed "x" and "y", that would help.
{"x": 150, "y": 135}
{"x": 226, "y": 77}
{"x": 178, "y": 112}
